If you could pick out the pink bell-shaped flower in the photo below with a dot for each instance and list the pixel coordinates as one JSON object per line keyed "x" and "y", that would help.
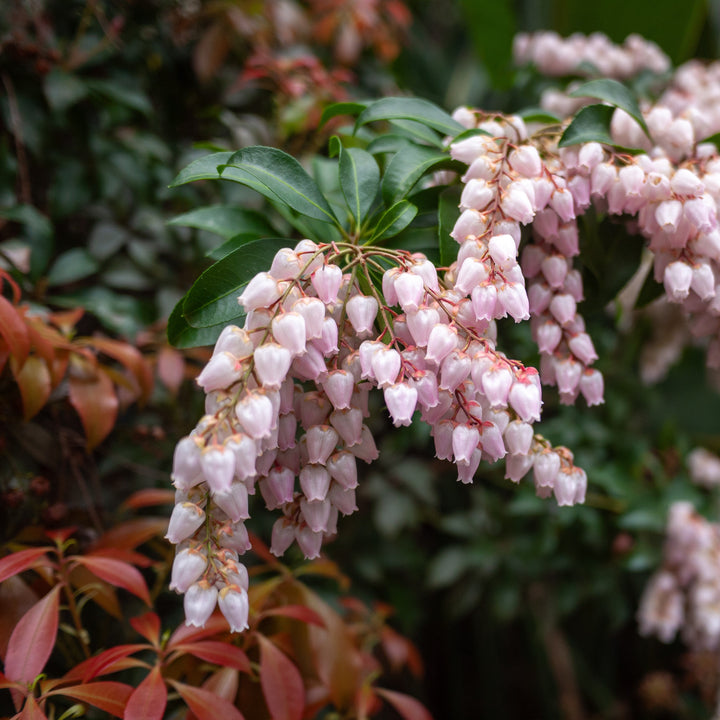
{"x": 524, "y": 398}
{"x": 401, "y": 400}
{"x": 362, "y": 311}
{"x": 218, "y": 466}
{"x": 185, "y": 519}
{"x": 187, "y": 568}
{"x": 321, "y": 442}
{"x": 283, "y": 535}
{"x": 327, "y": 281}
{"x": 442, "y": 340}
{"x": 343, "y": 469}
{"x": 235, "y": 606}
{"x": 221, "y": 371}
{"x": 255, "y": 413}
{"x": 288, "y": 329}
{"x": 421, "y": 323}
{"x": 314, "y": 482}
{"x": 200, "y": 601}
{"x": 261, "y": 292}
{"x": 465, "y": 439}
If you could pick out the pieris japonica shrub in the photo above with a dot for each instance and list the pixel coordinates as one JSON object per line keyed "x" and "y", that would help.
{"x": 395, "y": 268}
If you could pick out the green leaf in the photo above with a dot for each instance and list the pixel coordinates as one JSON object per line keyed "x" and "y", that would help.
{"x": 206, "y": 168}
{"x": 418, "y": 131}
{"x": 225, "y": 220}
{"x": 592, "y": 123}
{"x": 538, "y": 115}
{"x": 393, "y": 220}
{"x": 232, "y": 244}
{"x": 448, "y": 213}
{"x": 341, "y": 108}
{"x": 359, "y": 181}
{"x": 63, "y": 89}
{"x": 38, "y": 232}
{"x": 422, "y": 111}
{"x": 616, "y": 94}
{"x": 72, "y": 265}
{"x": 406, "y": 168}
{"x": 280, "y": 176}
{"x": 213, "y": 297}
{"x": 386, "y": 143}
{"x": 122, "y": 93}
{"x": 182, "y": 335}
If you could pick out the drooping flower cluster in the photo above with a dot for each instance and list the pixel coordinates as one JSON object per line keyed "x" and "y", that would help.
{"x": 588, "y": 55}
{"x": 684, "y": 594}
{"x": 669, "y": 193}
{"x": 509, "y": 184}
{"x": 287, "y": 396}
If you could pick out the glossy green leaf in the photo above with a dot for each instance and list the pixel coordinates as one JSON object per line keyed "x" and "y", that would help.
{"x": 386, "y": 143}
{"x": 538, "y": 115}
{"x": 206, "y": 168}
{"x": 422, "y": 111}
{"x": 418, "y": 131}
{"x": 393, "y": 220}
{"x": 341, "y": 108}
{"x": 72, "y": 265}
{"x": 591, "y": 124}
{"x": 213, "y": 297}
{"x": 406, "y": 168}
{"x": 280, "y": 176}
{"x": 448, "y": 213}
{"x": 227, "y": 221}
{"x": 182, "y": 335}
{"x": 233, "y": 244}
{"x": 359, "y": 181}
{"x": 616, "y": 94}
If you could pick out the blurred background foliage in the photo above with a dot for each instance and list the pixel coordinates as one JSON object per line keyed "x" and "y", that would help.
{"x": 519, "y": 608}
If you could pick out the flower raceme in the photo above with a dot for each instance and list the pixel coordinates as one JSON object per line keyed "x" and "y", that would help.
{"x": 287, "y": 397}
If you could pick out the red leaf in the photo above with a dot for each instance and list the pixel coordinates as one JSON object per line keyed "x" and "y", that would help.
{"x": 148, "y": 625}
{"x": 130, "y": 357}
{"x": 132, "y": 533}
{"x": 223, "y": 683}
{"x": 96, "y": 403}
{"x": 219, "y": 653}
{"x": 31, "y": 711}
{"x": 34, "y": 381}
{"x": 116, "y": 573}
{"x": 126, "y": 556}
{"x": 149, "y": 698}
{"x": 408, "y": 707}
{"x": 184, "y": 634}
{"x": 103, "y": 663}
{"x": 20, "y": 561}
{"x": 150, "y": 497}
{"x": 5, "y": 683}
{"x": 112, "y": 697}
{"x": 281, "y": 683}
{"x": 14, "y": 330}
{"x": 33, "y": 639}
{"x": 205, "y": 704}
{"x": 298, "y": 612}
